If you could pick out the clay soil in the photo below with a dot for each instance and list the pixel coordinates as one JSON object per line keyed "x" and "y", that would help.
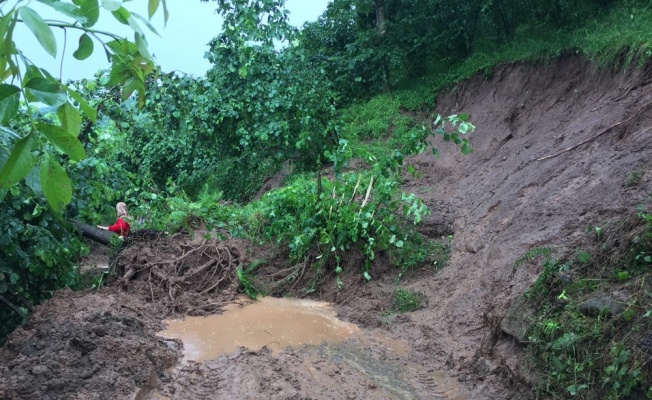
{"x": 555, "y": 149}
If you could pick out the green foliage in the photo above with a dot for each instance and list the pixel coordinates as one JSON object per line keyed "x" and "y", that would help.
{"x": 245, "y": 279}
{"x": 131, "y": 63}
{"x": 37, "y": 253}
{"x": 584, "y": 355}
{"x": 407, "y": 300}
{"x": 418, "y": 251}
{"x": 363, "y": 209}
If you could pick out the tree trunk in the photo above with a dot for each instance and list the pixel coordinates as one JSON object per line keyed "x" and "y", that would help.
{"x": 381, "y": 24}
{"x": 92, "y": 232}
{"x": 381, "y": 27}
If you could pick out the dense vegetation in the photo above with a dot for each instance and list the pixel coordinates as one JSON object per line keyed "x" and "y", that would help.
{"x": 590, "y": 336}
{"x": 359, "y": 82}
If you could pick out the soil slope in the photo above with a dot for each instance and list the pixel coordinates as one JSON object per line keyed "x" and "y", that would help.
{"x": 504, "y": 199}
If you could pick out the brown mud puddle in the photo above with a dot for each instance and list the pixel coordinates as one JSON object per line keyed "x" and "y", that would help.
{"x": 271, "y": 322}
{"x": 251, "y": 345}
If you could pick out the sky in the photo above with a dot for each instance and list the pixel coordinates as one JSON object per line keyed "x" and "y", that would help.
{"x": 180, "y": 47}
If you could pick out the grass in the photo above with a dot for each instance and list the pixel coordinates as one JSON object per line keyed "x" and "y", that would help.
{"x": 407, "y": 300}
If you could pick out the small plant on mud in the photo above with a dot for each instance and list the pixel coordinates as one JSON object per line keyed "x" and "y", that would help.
{"x": 246, "y": 280}
{"x": 418, "y": 251}
{"x": 407, "y": 300}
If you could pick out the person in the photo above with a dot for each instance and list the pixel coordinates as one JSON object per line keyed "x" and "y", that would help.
{"x": 121, "y": 226}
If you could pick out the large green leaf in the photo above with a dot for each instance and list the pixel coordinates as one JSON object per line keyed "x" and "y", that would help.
{"x": 9, "y": 102}
{"x": 122, "y": 15}
{"x": 89, "y": 9}
{"x": 90, "y": 112}
{"x": 466, "y": 147}
{"x": 20, "y": 162}
{"x": 55, "y": 184}
{"x": 40, "y": 29}
{"x": 63, "y": 140}
{"x": 85, "y": 48}
{"x": 33, "y": 180}
{"x": 46, "y": 91}
{"x": 112, "y": 5}
{"x": 66, "y": 9}
{"x": 70, "y": 118}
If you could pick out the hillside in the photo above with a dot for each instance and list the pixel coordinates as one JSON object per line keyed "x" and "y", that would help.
{"x": 556, "y": 146}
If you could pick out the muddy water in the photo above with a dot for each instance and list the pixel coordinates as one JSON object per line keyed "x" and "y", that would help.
{"x": 275, "y": 323}
{"x": 343, "y": 361}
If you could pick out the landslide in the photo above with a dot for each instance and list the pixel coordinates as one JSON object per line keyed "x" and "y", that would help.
{"x": 504, "y": 199}
{"x": 554, "y": 146}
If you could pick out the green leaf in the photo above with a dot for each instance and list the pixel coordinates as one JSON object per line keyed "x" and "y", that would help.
{"x": 4, "y": 155}
{"x": 63, "y": 140}
{"x": 9, "y": 102}
{"x": 90, "y": 112}
{"x": 152, "y": 6}
{"x": 142, "y": 45}
{"x": 367, "y": 276}
{"x": 90, "y": 9}
{"x": 399, "y": 244}
{"x": 122, "y": 15}
{"x": 623, "y": 275}
{"x": 40, "y": 29}
{"x": 112, "y": 5}
{"x": 70, "y": 118}
{"x": 55, "y": 183}
{"x": 166, "y": 14}
{"x": 466, "y": 147}
{"x": 45, "y": 91}
{"x": 85, "y": 48}
{"x": 33, "y": 180}
{"x": 146, "y": 22}
{"x": 66, "y": 9}
{"x": 20, "y": 162}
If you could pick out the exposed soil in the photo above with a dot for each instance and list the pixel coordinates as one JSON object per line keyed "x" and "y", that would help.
{"x": 555, "y": 146}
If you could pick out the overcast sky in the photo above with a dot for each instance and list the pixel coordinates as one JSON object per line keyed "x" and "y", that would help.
{"x": 181, "y": 47}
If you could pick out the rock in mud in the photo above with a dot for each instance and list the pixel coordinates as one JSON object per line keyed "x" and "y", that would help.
{"x": 602, "y": 304}
{"x": 518, "y": 319}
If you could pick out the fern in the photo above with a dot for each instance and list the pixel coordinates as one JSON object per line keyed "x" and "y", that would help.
{"x": 533, "y": 254}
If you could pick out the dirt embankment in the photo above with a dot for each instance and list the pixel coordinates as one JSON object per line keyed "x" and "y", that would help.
{"x": 506, "y": 198}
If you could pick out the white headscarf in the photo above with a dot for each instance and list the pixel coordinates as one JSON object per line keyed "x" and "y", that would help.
{"x": 121, "y": 209}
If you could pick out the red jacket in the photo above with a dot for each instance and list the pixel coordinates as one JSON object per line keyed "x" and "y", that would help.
{"x": 121, "y": 227}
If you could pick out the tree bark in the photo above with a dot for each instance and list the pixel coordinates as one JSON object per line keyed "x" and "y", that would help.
{"x": 381, "y": 24}
{"x": 92, "y": 232}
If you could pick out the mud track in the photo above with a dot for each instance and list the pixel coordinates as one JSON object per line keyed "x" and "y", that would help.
{"x": 554, "y": 147}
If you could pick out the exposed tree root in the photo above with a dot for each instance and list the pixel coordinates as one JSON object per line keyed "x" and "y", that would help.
{"x": 205, "y": 271}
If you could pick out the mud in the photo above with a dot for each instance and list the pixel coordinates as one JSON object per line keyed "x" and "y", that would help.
{"x": 555, "y": 146}
{"x": 266, "y": 322}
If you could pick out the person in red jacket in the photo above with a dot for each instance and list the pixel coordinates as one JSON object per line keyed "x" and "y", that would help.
{"x": 121, "y": 227}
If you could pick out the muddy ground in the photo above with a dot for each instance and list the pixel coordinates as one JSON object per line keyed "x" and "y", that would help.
{"x": 555, "y": 149}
